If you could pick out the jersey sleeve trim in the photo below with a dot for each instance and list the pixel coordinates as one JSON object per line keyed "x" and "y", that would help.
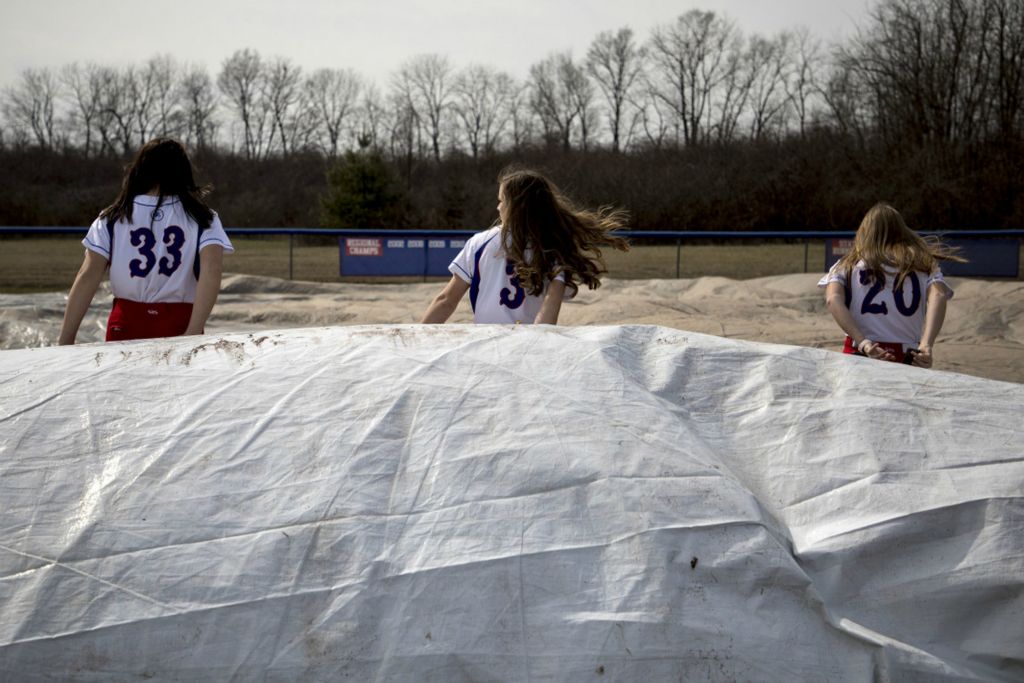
{"x": 213, "y": 239}
{"x": 834, "y": 274}
{"x": 461, "y": 274}
{"x": 98, "y": 248}
{"x": 936, "y": 279}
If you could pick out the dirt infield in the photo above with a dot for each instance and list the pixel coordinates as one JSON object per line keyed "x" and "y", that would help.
{"x": 983, "y": 334}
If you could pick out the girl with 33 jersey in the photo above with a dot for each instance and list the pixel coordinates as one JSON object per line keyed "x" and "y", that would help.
{"x": 164, "y": 247}
{"x": 544, "y": 247}
{"x": 888, "y": 293}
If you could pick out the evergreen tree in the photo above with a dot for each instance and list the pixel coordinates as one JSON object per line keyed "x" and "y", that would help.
{"x": 362, "y": 192}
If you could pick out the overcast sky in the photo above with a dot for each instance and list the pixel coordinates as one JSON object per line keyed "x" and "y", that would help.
{"x": 373, "y": 37}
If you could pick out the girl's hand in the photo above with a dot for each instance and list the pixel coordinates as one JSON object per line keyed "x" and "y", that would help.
{"x": 923, "y": 357}
{"x": 873, "y": 350}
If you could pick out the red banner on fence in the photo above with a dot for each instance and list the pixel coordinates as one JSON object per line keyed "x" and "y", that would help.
{"x": 841, "y": 247}
{"x": 355, "y": 246}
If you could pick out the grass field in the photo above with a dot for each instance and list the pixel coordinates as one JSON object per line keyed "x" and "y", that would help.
{"x": 50, "y": 263}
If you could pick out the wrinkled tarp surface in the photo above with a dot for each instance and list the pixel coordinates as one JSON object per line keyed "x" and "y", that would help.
{"x": 505, "y": 503}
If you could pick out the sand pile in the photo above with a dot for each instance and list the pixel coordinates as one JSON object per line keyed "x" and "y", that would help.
{"x": 983, "y": 334}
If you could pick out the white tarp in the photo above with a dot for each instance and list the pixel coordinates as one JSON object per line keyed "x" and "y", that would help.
{"x": 495, "y": 503}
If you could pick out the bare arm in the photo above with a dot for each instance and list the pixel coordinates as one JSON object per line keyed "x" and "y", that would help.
{"x": 933, "y": 319}
{"x": 445, "y": 303}
{"x": 552, "y": 304}
{"x": 835, "y": 300}
{"x": 88, "y": 280}
{"x": 211, "y": 264}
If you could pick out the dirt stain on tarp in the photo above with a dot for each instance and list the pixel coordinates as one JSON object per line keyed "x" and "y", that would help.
{"x": 396, "y": 335}
{"x": 234, "y": 349}
{"x": 259, "y": 341}
{"x": 405, "y": 334}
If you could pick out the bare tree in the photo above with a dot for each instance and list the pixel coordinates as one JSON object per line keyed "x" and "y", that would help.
{"x": 522, "y": 119}
{"x": 688, "y": 59}
{"x": 405, "y": 140}
{"x": 481, "y": 99}
{"x": 163, "y": 75}
{"x": 1007, "y": 47}
{"x": 290, "y": 121}
{"x": 117, "y": 119}
{"x": 143, "y": 84}
{"x": 426, "y": 84}
{"x": 651, "y": 116}
{"x": 848, "y": 101}
{"x": 29, "y": 107}
{"x": 199, "y": 105}
{"x": 109, "y": 83}
{"x": 506, "y": 90}
{"x": 616, "y": 63}
{"x": 553, "y": 97}
{"x": 242, "y": 81}
{"x": 803, "y": 84}
{"x": 732, "y": 100}
{"x": 768, "y": 62}
{"x": 406, "y": 125}
{"x": 581, "y": 94}
{"x": 372, "y": 120}
{"x": 83, "y": 87}
{"x": 926, "y": 65}
{"x": 333, "y": 95}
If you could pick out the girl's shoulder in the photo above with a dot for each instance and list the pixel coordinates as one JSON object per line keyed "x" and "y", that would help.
{"x": 838, "y": 273}
{"x": 490, "y": 232}
{"x": 484, "y": 237}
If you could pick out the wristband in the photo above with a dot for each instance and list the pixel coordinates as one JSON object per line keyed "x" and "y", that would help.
{"x": 862, "y": 342}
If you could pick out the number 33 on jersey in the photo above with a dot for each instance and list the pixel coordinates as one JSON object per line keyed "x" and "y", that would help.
{"x": 154, "y": 253}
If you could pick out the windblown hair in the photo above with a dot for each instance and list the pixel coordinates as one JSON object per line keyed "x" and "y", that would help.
{"x": 883, "y": 239}
{"x": 162, "y": 164}
{"x": 544, "y": 234}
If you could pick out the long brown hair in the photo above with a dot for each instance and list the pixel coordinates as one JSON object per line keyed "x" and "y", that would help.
{"x": 544, "y": 234}
{"x": 162, "y": 163}
{"x": 883, "y": 239}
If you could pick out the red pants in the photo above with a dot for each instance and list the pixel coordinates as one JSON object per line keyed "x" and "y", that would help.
{"x": 134, "y": 320}
{"x": 899, "y": 355}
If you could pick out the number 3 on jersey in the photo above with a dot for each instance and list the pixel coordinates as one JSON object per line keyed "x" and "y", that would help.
{"x": 870, "y": 307}
{"x": 512, "y": 298}
{"x": 144, "y": 240}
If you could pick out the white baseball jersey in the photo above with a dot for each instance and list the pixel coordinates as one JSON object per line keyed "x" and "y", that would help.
{"x": 154, "y": 255}
{"x": 494, "y": 290}
{"x": 884, "y": 312}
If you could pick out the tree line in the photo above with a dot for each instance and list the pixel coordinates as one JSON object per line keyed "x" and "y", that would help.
{"x": 930, "y": 91}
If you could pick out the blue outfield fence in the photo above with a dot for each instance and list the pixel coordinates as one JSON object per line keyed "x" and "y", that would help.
{"x": 427, "y": 253}
{"x": 383, "y": 255}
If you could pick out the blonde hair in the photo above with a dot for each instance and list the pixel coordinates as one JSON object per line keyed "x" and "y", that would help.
{"x": 883, "y": 239}
{"x": 544, "y": 234}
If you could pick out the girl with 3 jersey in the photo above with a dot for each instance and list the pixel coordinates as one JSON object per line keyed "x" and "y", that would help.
{"x": 887, "y": 293}
{"x": 544, "y": 247}
{"x": 164, "y": 247}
